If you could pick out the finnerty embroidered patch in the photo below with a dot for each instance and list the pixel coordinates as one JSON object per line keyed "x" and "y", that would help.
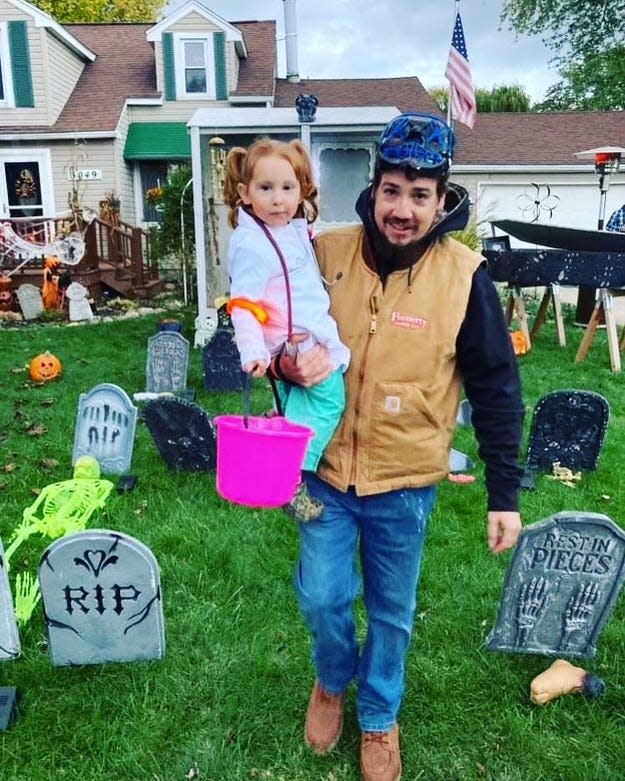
{"x": 408, "y": 321}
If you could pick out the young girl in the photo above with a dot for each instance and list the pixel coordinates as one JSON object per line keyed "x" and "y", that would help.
{"x": 276, "y": 288}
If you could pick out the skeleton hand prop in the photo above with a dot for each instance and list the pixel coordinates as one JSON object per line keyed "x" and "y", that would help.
{"x": 564, "y": 678}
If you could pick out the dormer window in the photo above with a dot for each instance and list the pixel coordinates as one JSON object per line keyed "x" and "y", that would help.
{"x": 195, "y": 68}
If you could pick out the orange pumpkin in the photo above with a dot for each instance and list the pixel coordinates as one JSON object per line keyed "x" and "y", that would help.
{"x": 45, "y": 367}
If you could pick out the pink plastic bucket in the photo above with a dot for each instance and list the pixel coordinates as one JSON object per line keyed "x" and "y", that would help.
{"x": 259, "y": 466}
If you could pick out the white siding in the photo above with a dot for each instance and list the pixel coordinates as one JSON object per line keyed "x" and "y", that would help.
{"x": 124, "y": 186}
{"x": 63, "y": 71}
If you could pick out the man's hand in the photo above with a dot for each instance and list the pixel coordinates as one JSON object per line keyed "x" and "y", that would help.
{"x": 256, "y": 368}
{"x": 504, "y": 528}
{"x": 309, "y": 368}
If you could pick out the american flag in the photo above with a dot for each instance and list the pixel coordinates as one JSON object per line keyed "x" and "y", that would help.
{"x": 458, "y": 71}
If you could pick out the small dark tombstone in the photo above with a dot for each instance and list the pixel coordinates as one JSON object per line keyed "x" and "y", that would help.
{"x": 568, "y": 427}
{"x": 105, "y": 428}
{"x": 221, "y": 363}
{"x": 167, "y": 363}
{"x": 561, "y": 586}
{"x": 183, "y": 434}
{"x": 463, "y": 416}
{"x": 9, "y": 637}
{"x": 101, "y": 598}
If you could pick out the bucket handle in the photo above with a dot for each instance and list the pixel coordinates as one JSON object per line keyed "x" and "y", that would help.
{"x": 247, "y": 399}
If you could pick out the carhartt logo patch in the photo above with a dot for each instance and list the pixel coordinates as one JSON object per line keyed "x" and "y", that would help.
{"x": 392, "y": 404}
{"x": 408, "y": 321}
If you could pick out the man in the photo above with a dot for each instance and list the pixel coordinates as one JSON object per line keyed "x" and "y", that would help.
{"x": 420, "y": 315}
{"x": 616, "y": 223}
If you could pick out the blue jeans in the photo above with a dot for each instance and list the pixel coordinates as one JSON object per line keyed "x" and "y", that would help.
{"x": 391, "y": 530}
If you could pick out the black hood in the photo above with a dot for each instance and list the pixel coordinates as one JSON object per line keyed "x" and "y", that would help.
{"x": 386, "y": 256}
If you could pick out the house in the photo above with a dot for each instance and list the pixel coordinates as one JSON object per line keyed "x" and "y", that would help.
{"x": 108, "y": 109}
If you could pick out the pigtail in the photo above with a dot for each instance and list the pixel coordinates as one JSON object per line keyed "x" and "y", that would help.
{"x": 303, "y": 169}
{"x": 235, "y": 161}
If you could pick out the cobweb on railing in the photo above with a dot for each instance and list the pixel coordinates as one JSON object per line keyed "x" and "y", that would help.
{"x": 36, "y": 242}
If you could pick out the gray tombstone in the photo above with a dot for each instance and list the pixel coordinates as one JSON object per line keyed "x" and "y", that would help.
{"x": 168, "y": 363}
{"x": 183, "y": 434}
{"x": 30, "y": 301}
{"x": 79, "y": 306}
{"x": 568, "y": 426}
{"x": 561, "y": 586}
{"x": 105, "y": 428}
{"x": 9, "y": 637}
{"x": 101, "y": 598}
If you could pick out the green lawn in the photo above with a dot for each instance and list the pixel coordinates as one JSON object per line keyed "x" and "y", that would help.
{"x": 229, "y": 696}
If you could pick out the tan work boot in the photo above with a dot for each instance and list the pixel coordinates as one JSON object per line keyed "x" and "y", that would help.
{"x": 380, "y": 759}
{"x": 324, "y": 720}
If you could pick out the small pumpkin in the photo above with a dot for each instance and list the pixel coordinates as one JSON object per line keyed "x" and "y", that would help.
{"x": 44, "y": 367}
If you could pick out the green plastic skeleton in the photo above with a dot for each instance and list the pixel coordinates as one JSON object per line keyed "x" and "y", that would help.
{"x": 65, "y": 507}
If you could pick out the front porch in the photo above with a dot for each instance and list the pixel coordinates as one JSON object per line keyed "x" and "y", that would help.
{"x": 116, "y": 257}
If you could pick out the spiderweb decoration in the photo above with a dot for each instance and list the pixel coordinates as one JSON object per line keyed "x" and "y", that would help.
{"x": 32, "y": 241}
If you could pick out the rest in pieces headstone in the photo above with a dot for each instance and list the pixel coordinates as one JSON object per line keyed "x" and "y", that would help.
{"x": 168, "y": 363}
{"x": 9, "y": 637}
{"x": 101, "y": 597}
{"x": 105, "y": 428}
{"x": 561, "y": 586}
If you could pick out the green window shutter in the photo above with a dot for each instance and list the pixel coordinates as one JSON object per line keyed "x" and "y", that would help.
{"x": 168, "y": 66}
{"x": 20, "y": 64}
{"x": 219, "y": 49}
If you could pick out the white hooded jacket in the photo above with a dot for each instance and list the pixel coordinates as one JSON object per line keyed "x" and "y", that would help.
{"x": 256, "y": 274}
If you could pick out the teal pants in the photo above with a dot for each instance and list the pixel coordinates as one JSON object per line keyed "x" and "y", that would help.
{"x": 320, "y": 407}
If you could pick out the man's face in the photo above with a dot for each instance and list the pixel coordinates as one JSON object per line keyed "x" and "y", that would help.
{"x": 405, "y": 210}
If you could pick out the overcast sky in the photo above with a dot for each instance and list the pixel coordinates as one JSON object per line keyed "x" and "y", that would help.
{"x": 366, "y": 38}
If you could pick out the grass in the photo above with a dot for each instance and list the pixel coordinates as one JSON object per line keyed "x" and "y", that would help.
{"x": 228, "y": 698}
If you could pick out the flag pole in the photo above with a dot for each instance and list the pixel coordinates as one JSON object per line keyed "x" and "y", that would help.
{"x": 449, "y": 117}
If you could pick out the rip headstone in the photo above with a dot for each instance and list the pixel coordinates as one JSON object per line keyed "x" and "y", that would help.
{"x": 101, "y": 598}
{"x": 79, "y": 306}
{"x": 183, "y": 434}
{"x": 568, "y": 427}
{"x": 105, "y": 428}
{"x": 9, "y": 637}
{"x": 221, "y": 363}
{"x": 168, "y": 363}
{"x": 30, "y": 301}
{"x": 561, "y": 586}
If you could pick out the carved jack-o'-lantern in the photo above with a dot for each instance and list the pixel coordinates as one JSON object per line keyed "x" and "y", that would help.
{"x": 6, "y": 294}
{"x": 45, "y": 367}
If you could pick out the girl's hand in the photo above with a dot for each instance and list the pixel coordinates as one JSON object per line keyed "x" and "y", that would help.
{"x": 256, "y": 368}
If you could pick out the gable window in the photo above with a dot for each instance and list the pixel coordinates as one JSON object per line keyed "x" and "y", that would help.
{"x": 195, "y": 76}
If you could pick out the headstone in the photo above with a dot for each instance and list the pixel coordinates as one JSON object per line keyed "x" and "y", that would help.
{"x": 221, "y": 363}
{"x": 460, "y": 462}
{"x": 30, "y": 301}
{"x": 561, "y": 586}
{"x": 183, "y": 434}
{"x": 568, "y": 427}
{"x": 9, "y": 637}
{"x": 101, "y": 598}
{"x": 105, "y": 428}
{"x": 463, "y": 416}
{"x": 79, "y": 306}
{"x": 168, "y": 362}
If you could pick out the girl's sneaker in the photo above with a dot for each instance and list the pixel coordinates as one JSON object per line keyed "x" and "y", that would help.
{"x": 303, "y": 507}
